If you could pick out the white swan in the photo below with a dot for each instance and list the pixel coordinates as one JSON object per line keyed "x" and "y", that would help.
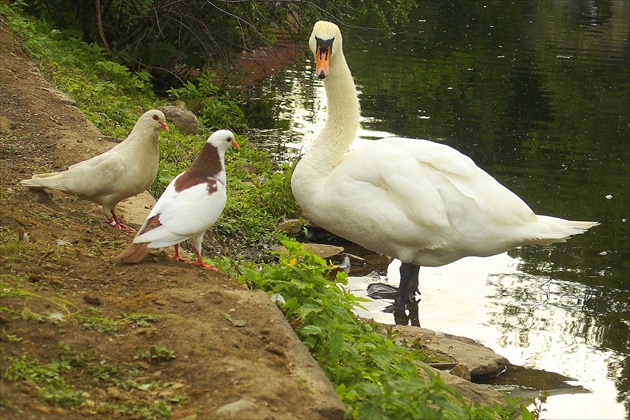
{"x": 421, "y": 202}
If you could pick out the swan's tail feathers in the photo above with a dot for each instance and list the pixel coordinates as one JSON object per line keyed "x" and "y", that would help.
{"x": 552, "y": 230}
{"x": 134, "y": 253}
{"x": 52, "y": 180}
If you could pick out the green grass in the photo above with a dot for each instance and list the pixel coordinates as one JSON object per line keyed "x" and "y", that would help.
{"x": 53, "y": 382}
{"x": 109, "y": 94}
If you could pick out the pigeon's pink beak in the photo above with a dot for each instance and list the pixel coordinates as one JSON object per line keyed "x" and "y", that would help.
{"x": 235, "y": 144}
{"x": 164, "y": 126}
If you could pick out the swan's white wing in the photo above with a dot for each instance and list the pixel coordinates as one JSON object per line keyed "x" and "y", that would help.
{"x": 412, "y": 194}
{"x": 390, "y": 184}
{"x": 442, "y": 163}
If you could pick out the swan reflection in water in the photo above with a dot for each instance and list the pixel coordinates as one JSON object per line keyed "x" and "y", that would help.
{"x": 405, "y": 314}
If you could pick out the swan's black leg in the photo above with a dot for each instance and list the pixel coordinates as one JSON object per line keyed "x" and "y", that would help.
{"x": 405, "y": 304}
{"x": 408, "y": 284}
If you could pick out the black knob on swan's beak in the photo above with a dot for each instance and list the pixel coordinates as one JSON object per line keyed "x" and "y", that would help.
{"x": 321, "y": 75}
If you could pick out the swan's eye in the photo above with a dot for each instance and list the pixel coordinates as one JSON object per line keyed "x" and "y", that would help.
{"x": 156, "y": 118}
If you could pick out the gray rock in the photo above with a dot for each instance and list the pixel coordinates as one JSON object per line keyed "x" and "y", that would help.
{"x": 235, "y": 409}
{"x": 474, "y": 393}
{"x": 321, "y": 250}
{"x": 292, "y": 226}
{"x": 480, "y": 360}
{"x": 461, "y": 371}
{"x": 182, "y": 118}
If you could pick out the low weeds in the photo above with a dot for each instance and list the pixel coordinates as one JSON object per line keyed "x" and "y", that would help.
{"x": 157, "y": 354}
{"x": 59, "y": 383}
{"x": 59, "y": 311}
{"x": 48, "y": 379}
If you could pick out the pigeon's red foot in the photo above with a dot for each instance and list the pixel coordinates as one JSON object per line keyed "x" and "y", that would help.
{"x": 200, "y": 263}
{"x": 204, "y": 265}
{"x": 125, "y": 228}
{"x": 178, "y": 257}
{"x": 116, "y": 224}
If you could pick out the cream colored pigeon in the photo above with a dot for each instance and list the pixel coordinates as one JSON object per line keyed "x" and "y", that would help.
{"x": 191, "y": 204}
{"x": 122, "y": 172}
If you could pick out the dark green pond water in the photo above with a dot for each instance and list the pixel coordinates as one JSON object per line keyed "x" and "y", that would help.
{"x": 537, "y": 93}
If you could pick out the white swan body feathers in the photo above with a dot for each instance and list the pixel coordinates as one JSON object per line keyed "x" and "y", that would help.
{"x": 424, "y": 203}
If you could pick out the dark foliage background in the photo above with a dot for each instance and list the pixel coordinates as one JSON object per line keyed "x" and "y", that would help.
{"x": 173, "y": 38}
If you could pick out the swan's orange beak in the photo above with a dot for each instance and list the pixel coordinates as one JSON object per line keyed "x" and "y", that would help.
{"x": 322, "y": 60}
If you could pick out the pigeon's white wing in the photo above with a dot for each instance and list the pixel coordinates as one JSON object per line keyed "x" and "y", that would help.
{"x": 184, "y": 214}
{"x": 98, "y": 176}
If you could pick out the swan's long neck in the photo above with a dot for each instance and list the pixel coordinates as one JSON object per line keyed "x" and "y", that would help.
{"x": 342, "y": 121}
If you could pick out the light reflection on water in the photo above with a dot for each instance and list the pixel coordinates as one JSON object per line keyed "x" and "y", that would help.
{"x": 533, "y": 321}
{"x": 305, "y": 122}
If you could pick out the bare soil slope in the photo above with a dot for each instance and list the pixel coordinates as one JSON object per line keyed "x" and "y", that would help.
{"x": 115, "y": 328}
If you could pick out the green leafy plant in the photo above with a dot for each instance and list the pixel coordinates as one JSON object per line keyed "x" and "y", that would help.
{"x": 538, "y": 405}
{"x": 140, "y": 320}
{"x": 373, "y": 375}
{"x": 216, "y": 109}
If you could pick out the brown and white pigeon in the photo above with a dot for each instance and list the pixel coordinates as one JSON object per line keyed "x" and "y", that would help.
{"x": 122, "y": 172}
{"x": 191, "y": 203}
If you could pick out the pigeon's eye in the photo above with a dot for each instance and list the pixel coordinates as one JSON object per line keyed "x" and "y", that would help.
{"x": 155, "y": 117}
{"x": 228, "y": 140}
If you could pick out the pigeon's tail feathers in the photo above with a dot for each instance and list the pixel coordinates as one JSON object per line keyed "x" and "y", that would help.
{"x": 52, "y": 180}
{"x": 134, "y": 253}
